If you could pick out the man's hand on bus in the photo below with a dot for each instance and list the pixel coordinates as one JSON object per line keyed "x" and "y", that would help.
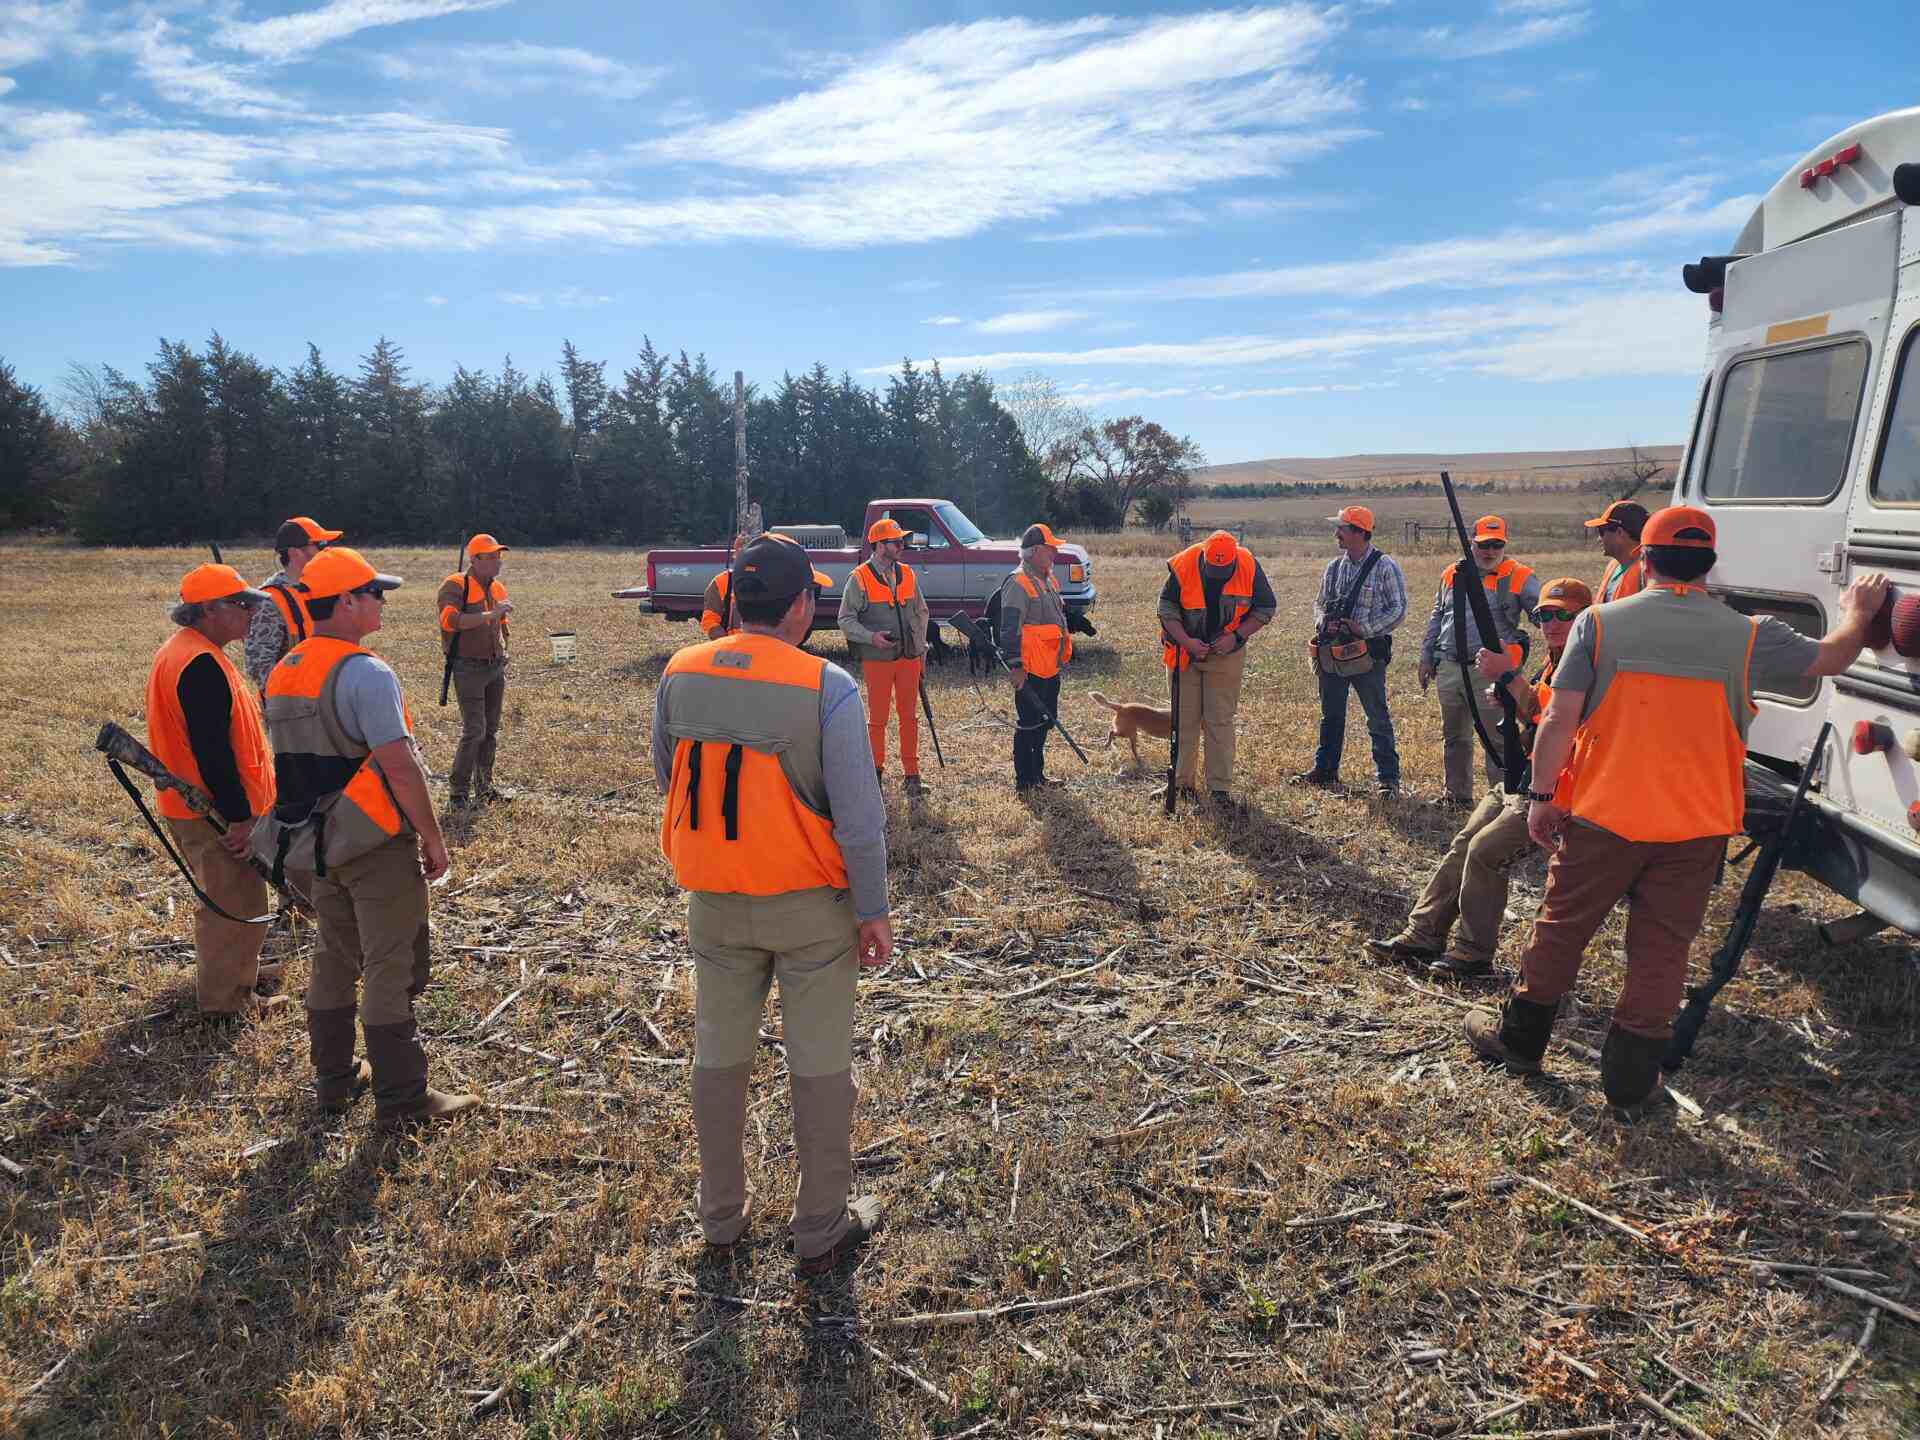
{"x": 1860, "y": 602}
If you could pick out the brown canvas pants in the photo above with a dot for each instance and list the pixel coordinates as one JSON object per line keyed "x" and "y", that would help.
{"x": 741, "y": 944}
{"x": 226, "y": 954}
{"x": 481, "y": 689}
{"x": 1471, "y": 884}
{"x": 1666, "y": 887}
{"x": 375, "y": 948}
{"x": 1209, "y": 700}
{"x": 1459, "y": 741}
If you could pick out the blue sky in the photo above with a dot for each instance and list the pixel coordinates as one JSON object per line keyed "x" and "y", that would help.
{"x": 1285, "y": 230}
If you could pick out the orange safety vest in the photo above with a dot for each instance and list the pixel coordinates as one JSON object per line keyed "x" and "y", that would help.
{"x": 1661, "y": 753}
{"x": 1236, "y": 597}
{"x": 1505, "y": 578}
{"x": 167, "y": 726}
{"x": 746, "y": 810}
{"x": 293, "y": 612}
{"x": 713, "y": 615}
{"x": 1043, "y": 648}
{"x": 326, "y": 779}
{"x": 472, "y": 644}
{"x": 878, "y": 592}
{"x": 1542, "y": 694}
{"x": 1621, "y": 579}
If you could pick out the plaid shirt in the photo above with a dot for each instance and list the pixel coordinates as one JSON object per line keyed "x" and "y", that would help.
{"x": 1383, "y": 599}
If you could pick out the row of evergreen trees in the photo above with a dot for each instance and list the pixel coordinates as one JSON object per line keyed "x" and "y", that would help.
{"x": 216, "y": 443}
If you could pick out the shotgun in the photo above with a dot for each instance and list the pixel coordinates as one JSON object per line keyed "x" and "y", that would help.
{"x": 970, "y": 628}
{"x": 900, "y": 629}
{"x": 1173, "y": 753}
{"x": 453, "y": 640}
{"x": 1512, "y": 761}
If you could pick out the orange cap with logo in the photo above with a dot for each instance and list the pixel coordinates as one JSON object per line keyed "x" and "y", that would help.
{"x": 885, "y": 528}
{"x": 1684, "y": 525}
{"x": 1220, "y": 550}
{"x": 209, "y": 582}
{"x": 1489, "y": 527}
{"x": 485, "y": 545}
{"x": 1568, "y": 593}
{"x": 1358, "y": 516}
{"x": 340, "y": 568}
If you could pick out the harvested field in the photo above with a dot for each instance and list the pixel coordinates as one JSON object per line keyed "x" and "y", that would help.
{"x": 1164, "y": 1154}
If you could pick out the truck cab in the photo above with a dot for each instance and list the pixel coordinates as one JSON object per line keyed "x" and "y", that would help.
{"x": 1805, "y": 447}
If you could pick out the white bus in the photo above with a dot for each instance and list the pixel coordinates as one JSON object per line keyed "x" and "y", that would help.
{"x": 1806, "y": 448}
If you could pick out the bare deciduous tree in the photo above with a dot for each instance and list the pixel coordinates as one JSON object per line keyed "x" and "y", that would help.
{"x": 1046, "y": 418}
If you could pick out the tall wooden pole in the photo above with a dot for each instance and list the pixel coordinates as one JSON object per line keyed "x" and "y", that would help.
{"x": 739, "y": 453}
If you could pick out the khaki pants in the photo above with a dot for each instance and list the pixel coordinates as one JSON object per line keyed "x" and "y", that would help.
{"x": 481, "y": 688}
{"x": 1666, "y": 887}
{"x": 373, "y": 934}
{"x": 1458, "y": 738}
{"x": 1471, "y": 884}
{"x": 226, "y": 954}
{"x": 1209, "y": 699}
{"x": 741, "y": 944}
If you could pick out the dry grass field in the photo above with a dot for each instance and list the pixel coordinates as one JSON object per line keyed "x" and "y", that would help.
{"x": 1164, "y": 1154}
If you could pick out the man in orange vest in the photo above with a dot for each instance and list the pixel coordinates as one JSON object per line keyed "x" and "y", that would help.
{"x": 774, "y": 824}
{"x": 883, "y": 614}
{"x": 1659, "y": 688}
{"x": 473, "y": 634}
{"x": 1037, "y": 646}
{"x": 714, "y": 613}
{"x": 1618, "y": 529}
{"x": 354, "y": 814}
{"x": 1512, "y": 592}
{"x": 1215, "y": 600}
{"x": 203, "y": 724}
{"x": 278, "y": 627}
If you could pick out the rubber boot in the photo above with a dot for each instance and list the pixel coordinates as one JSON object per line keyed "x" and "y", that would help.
{"x": 720, "y": 1120}
{"x": 400, "y": 1093}
{"x": 1630, "y": 1070}
{"x": 1517, "y": 1035}
{"x": 338, "y": 1080}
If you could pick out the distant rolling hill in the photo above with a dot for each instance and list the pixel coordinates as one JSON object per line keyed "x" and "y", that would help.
{"x": 1358, "y": 472}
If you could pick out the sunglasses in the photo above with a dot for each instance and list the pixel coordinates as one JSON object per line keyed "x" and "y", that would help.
{"x": 1545, "y": 615}
{"x": 1610, "y": 525}
{"x": 1491, "y": 544}
{"x": 375, "y": 591}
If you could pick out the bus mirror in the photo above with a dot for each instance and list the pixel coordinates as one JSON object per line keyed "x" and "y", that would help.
{"x": 1906, "y": 183}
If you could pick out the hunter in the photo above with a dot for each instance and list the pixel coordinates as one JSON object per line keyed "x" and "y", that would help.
{"x": 473, "y": 638}
{"x": 1037, "y": 645}
{"x": 1215, "y": 600}
{"x": 1618, "y": 529}
{"x": 278, "y": 627}
{"x": 1362, "y": 598}
{"x": 883, "y": 613}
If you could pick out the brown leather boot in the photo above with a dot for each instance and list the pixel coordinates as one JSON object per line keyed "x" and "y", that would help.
{"x": 1630, "y": 1072}
{"x": 864, "y": 1218}
{"x": 1517, "y": 1036}
{"x": 400, "y": 1093}
{"x": 338, "y": 1080}
{"x": 1406, "y": 948}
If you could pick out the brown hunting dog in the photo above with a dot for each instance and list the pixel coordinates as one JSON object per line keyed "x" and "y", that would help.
{"x": 1129, "y": 720}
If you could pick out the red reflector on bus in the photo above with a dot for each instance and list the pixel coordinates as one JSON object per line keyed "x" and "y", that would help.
{"x": 1847, "y": 156}
{"x": 1806, "y": 179}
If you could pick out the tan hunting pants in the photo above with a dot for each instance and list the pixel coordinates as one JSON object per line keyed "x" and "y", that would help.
{"x": 226, "y": 954}
{"x": 481, "y": 689}
{"x": 1459, "y": 741}
{"x": 1471, "y": 884}
{"x": 1209, "y": 700}
{"x": 373, "y": 934}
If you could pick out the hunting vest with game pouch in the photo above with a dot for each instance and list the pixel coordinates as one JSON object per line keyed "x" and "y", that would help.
{"x": 482, "y": 642}
{"x": 746, "y": 810}
{"x": 293, "y": 611}
{"x": 876, "y": 611}
{"x": 1044, "y": 645}
{"x": 1503, "y": 585}
{"x": 1662, "y": 747}
{"x": 1236, "y": 599}
{"x": 333, "y": 805}
{"x": 167, "y": 727}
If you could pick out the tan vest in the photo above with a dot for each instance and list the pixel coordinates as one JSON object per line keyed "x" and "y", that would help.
{"x": 483, "y": 642}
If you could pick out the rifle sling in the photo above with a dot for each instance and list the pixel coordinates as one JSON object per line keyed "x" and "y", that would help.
{"x": 174, "y": 855}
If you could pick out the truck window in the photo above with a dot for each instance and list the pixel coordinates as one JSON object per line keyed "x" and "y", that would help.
{"x": 918, "y": 522}
{"x": 1896, "y": 481}
{"x": 965, "y": 532}
{"x": 1785, "y": 425}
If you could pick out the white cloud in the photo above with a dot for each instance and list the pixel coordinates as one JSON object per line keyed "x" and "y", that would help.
{"x": 570, "y": 297}
{"x": 1115, "y": 231}
{"x": 521, "y": 68}
{"x": 516, "y": 297}
{"x": 436, "y": 300}
{"x": 1027, "y": 322}
{"x": 943, "y": 320}
{"x": 288, "y": 37}
{"x": 7, "y": 82}
{"x": 1515, "y": 27}
{"x": 31, "y": 31}
{"x": 176, "y": 74}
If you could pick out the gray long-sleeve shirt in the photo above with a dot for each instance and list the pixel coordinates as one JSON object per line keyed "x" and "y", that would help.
{"x": 1510, "y": 608}
{"x": 858, "y": 813}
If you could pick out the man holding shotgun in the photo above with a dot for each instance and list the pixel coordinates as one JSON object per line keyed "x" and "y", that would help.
{"x": 204, "y": 725}
{"x": 1037, "y": 645}
{"x": 1215, "y": 600}
{"x": 473, "y": 629}
{"x": 884, "y": 617}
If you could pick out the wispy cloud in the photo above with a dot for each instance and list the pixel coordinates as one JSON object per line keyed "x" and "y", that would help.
{"x": 287, "y": 37}
{"x": 31, "y": 30}
{"x": 521, "y": 68}
{"x": 1027, "y": 322}
{"x": 436, "y": 300}
{"x": 1511, "y": 25}
{"x": 943, "y": 320}
{"x": 571, "y": 297}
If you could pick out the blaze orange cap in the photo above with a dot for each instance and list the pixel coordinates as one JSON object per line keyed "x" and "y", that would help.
{"x": 340, "y": 568}
{"x": 885, "y": 528}
{"x": 205, "y": 583}
{"x": 484, "y": 544}
{"x": 1568, "y": 593}
{"x": 1489, "y": 527}
{"x": 1038, "y": 534}
{"x": 304, "y": 530}
{"x": 1221, "y": 550}
{"x": 1683, "y": 525}
{"x": 1358, "y": 516}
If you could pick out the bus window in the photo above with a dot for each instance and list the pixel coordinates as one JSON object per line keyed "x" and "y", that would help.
{"x": 1785, "y": 425}
{"x": 1897, "y": 480}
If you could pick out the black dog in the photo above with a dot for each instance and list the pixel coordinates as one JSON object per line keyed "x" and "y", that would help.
{"x": 938, "y": 650}
{"x": 985, "y": 639}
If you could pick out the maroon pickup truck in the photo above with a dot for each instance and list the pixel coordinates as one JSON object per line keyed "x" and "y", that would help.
{"x": 959, "y": 568}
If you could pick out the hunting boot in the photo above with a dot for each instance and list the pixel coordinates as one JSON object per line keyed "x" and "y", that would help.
{"x": 1517, "y": 1035}
{"x": 915, "y": 786}
{"x": 1406, "y": 948}
{"x": 401, "y": 1096}
{"x": 1630, "y": 1072}
{"x": 338, "y": 1080}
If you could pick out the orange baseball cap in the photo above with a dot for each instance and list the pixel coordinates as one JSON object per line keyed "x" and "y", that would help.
{"x": 885, "y": 528}
{"x": 1489, "y": 527}
{"x": 1684, "y": 525}
{"x": 1624, "y": 513}
{"x": 1039, "y": 534}
{"x": 1220, "y": 550}
{"x": 1568, "y": 593}
{"x": 1358, "y": 516}
{"x": 484, "y": 544}
{"x": 303, "y": 530}
{"x": 340, "y": 568}
{"x": 210, "y": 582}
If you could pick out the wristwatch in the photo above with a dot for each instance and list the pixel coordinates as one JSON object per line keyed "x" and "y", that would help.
{"x": 1507, "y": 678}
{"x": 1537, "y": 798}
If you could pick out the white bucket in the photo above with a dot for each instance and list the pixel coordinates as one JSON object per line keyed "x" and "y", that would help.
{"x": 562, "y": 641}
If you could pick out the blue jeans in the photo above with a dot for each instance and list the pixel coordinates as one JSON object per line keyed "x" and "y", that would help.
{"x": 1372, "y": 689}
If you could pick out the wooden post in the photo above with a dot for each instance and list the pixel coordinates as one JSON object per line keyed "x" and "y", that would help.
{"x": 739, "y": 453}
